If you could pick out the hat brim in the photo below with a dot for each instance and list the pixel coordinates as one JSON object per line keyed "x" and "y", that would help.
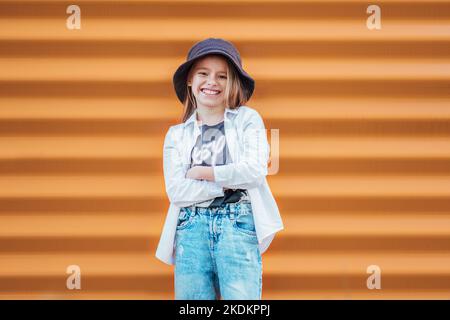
{"x": 180, "y": 75}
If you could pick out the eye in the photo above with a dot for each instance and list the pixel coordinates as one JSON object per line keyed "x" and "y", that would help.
{"x": 202, "y": 73}
{"x": 223, "y": 77}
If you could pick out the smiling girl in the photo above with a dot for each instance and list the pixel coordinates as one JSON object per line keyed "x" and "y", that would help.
{"x": 222, "y": 214}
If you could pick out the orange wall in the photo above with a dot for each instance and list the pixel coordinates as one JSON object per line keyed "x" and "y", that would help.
{"x": 363, "y": 117}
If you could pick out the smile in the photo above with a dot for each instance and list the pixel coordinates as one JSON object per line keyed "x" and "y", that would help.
{"x": 209, "y": 92}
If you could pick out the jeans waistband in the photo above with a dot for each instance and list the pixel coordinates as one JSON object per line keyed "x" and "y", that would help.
{"x": 225, "y": 208}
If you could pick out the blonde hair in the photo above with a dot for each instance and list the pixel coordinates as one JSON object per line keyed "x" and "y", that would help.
{"x": 234, "y": 92}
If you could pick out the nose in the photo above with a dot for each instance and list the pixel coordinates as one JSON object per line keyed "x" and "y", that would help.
{"x": 212, "y": 80}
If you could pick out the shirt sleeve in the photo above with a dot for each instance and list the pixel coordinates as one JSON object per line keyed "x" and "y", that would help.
{"x": 251, "y": 169}
{"x": 180, "y": 190}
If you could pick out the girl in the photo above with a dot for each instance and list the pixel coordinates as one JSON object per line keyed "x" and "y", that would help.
{"x": 222, "y": 214}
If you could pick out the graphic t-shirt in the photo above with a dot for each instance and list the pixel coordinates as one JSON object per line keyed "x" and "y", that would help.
{"x": 211, "y": 149}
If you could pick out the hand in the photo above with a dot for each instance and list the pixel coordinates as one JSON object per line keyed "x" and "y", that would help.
{"x": 201, "y": 173}
{"x": 194, "y": 173}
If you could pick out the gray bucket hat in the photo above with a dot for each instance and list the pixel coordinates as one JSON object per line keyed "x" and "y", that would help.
{"x": 211, "y": 46}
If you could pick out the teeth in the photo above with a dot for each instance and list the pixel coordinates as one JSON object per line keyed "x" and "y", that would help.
{"x": 210, "y": 91}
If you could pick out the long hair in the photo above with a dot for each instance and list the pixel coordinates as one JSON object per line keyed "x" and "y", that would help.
{"x": 234, "y": 92}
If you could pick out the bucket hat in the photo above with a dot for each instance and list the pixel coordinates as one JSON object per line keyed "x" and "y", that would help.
{"x": 211, "y": 46}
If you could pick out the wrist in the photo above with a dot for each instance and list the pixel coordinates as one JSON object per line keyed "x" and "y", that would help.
{"x": 208, "y": 173}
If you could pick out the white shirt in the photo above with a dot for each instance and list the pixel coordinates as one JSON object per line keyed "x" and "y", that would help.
{"x": 249, "y": 149}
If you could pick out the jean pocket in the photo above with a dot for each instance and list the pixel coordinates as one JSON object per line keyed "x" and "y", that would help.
{"x": 245, "y": 223}
{"x": 185, "y": 218}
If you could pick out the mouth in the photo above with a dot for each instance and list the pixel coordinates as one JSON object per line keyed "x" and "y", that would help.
{"x": 210, "y": 92}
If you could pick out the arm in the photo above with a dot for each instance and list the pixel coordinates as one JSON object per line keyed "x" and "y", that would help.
{"x": 183, "y": 191}
{"x": 251, "y": 169}
{"x": 207, "y": 173}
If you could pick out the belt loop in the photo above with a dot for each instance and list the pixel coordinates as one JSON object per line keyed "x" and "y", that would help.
{"x": 232, "y": 209}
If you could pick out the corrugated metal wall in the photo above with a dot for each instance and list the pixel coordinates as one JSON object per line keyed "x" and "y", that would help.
{"x": 364, "y": 139}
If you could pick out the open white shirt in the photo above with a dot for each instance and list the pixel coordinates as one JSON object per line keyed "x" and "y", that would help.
{"x": 249, "y": 149}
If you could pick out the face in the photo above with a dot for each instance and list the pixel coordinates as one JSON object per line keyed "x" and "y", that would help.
{"x": 209, "y": 80}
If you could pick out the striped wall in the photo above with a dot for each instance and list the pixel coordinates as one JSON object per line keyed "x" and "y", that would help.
{"x": 364, "y": 120}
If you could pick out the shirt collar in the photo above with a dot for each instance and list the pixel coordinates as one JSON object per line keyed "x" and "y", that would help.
{"x": 193, "y": 116}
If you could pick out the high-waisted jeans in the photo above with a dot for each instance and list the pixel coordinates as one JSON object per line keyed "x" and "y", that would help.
{"x": 217, "y": 254}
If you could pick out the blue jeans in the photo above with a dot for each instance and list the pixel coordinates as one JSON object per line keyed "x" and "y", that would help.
{"x": 217, "y": 254}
